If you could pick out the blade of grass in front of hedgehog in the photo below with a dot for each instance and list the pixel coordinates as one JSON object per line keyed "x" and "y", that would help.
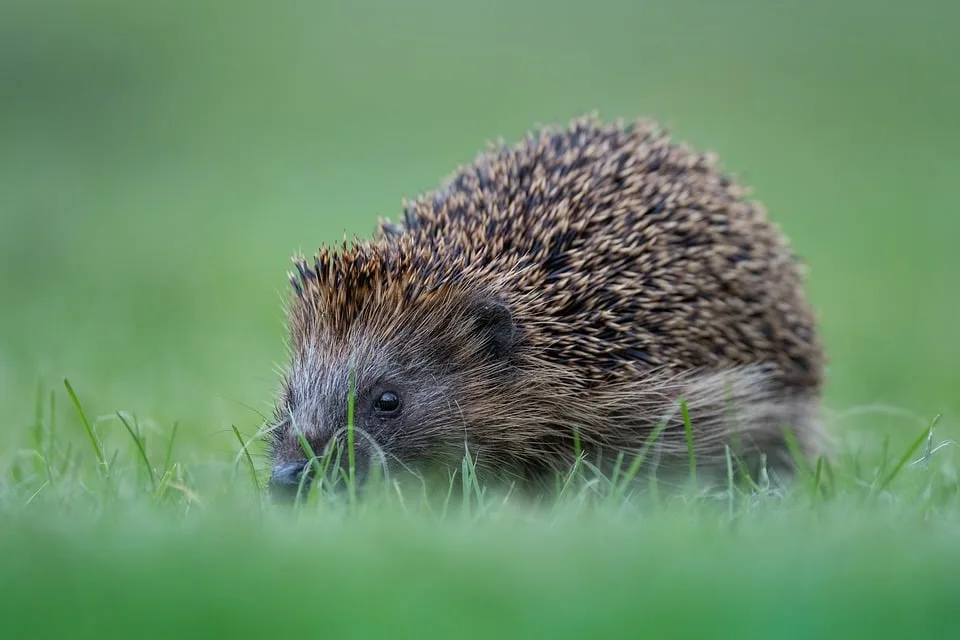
{"x": 734, "y": 421}
{"x": 351, "y": 456}
{"x": 831, "y": 477}
{"x": 466, "y": 479}
{"x": 818, "y": 478}
{"x": 94, "y": 440}
{"x": 577, "y": 450}
{"x": 479, "y": 490}
{"x": 731, "y": 496}
{"x": 615, "y": 472}
{"x": 141, "y": 449}
{"x": 799, "y": 460}
{"x": 688, "y": 428}
{"x": 612, "y": 486}
{"x": 452, "y": 480}
{"x": 252, "y": 467}
{"x": 653, "y": 490}
{"x": 312, "y": 460}
{"x": 576, "y": 471}
{"x": 924, "y": 435}
{"x": 634, "y": 467}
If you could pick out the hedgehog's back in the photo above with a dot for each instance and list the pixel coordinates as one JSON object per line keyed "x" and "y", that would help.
{"x": 628, "y": 252}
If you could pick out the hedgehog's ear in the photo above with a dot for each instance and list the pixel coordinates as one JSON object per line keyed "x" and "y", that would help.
{"x": 492, "y": 322}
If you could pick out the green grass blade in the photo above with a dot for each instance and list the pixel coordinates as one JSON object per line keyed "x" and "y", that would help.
{"x": 799, "y": 459}
{"x": 251, "y": 466}
{"x": 730, "y": 486}
{"x": 313, "y": 461}
{"x": 94, "y": 440}
{"x": 351, "y": 459}
{"x": 634, "y": 467}
{"x": 905, "y": 458}
{"x": 817, "y": 477}
{"x": 168, "y": 458}
{"x": 688, "y": 429}
{"x": 577, "y": 450}
{"x": 142, "y": 449}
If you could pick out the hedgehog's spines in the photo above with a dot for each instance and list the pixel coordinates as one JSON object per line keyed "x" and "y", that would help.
{"x": 620, "y": 254}
{"x": 295, "y": 283}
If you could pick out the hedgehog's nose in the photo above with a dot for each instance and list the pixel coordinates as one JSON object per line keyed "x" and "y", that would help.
{"x": 286, "y": 478}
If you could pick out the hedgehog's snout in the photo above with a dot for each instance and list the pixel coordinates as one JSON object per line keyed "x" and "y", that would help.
{"x": 287, "y": 478}
{"x": 293, "y": 473}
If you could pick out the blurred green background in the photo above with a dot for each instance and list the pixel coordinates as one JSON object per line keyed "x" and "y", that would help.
{"x": 159, "y": 162}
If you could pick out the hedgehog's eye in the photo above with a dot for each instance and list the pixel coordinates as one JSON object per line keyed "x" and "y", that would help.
{"x": 388, "y": 402}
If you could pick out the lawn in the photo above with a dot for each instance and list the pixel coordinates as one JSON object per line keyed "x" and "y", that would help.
{"x": 159, "y": 165}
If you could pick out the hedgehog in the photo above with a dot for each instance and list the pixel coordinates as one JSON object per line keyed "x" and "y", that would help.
{"x": 574, "y": 294}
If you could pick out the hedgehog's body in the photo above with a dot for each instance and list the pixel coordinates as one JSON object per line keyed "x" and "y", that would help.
{"x": 580, "y": 282}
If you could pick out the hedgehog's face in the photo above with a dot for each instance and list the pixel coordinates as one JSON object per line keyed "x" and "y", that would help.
{"x": 405, "y": 388}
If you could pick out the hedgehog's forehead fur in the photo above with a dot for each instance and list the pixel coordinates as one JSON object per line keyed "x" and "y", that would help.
{"x": 366, "y": 290}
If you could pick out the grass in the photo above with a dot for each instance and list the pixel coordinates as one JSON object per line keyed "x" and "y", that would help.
{"x": 147, "y": 542}
{"x": 160, "y": 165}
{"x": 410, "y": 577}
